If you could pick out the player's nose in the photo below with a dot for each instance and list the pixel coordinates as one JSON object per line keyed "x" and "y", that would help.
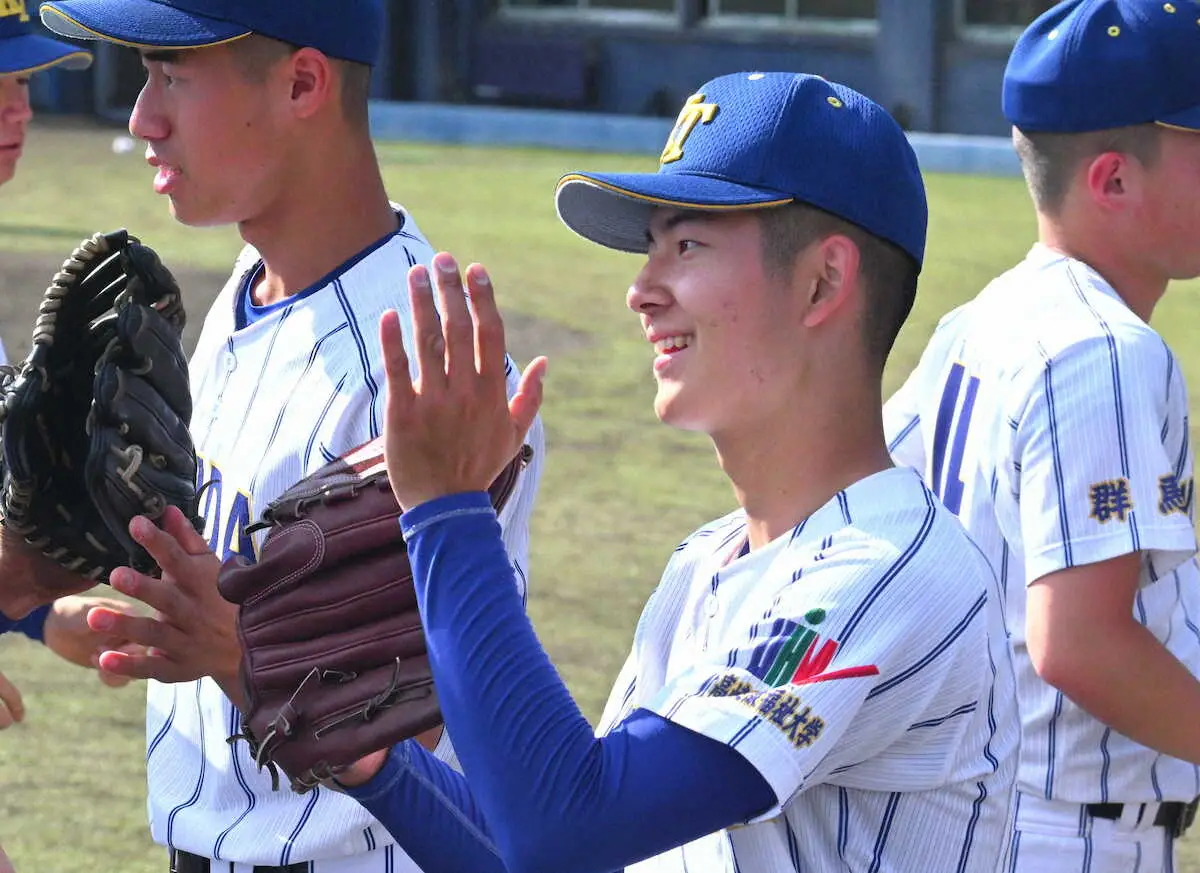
{"x": 14, "y": 105}
{"x": 146, "y": 122}
{"x": 648, "y": 292}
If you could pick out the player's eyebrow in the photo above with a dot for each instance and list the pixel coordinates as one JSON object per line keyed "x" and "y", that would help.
{"x": 676, "y": 218}
{"x": 165, "y": 56}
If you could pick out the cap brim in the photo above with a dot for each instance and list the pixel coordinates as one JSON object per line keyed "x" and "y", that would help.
{"x": 30, "y": 53}
{"x": 141, "y": 24}
{"x": 1188, "y": 119}
{"x": 614, "y": 209}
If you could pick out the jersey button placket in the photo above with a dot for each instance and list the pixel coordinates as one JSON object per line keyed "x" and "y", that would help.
{"x": 712, "y": 605}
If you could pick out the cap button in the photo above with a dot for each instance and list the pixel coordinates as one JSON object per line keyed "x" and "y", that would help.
{"x": 1169, "y": 8}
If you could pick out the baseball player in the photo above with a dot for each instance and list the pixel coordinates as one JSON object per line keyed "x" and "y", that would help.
{"x": 1053, "y": 419}
{"x": 23, "y": 53}
{"x": 822, "y": 680}
{"x": 27, "y": 608}
{"x": 255, "y": 112}
{"x": 25, "y": 605}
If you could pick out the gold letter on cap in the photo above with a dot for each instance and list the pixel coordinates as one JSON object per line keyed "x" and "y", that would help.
{"x": 694, "y": 112}
{"x": 13, "y": 7}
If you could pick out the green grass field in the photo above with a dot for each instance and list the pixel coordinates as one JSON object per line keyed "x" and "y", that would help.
{"x": 619, "y": 492}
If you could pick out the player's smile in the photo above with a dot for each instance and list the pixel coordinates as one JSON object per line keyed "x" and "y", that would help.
{"x": 667, "y": 348}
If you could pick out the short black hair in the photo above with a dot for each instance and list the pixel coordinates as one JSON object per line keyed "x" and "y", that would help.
{"x": 889, "y": 274}
{"x": 258, "y": 53}
{"x": 1049, "y": 160}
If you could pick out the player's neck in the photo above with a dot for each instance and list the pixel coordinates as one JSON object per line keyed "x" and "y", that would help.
{"x": 787, "y": 466}
{"x": 314, "y": 228}
{"x": 1140, "y": 288}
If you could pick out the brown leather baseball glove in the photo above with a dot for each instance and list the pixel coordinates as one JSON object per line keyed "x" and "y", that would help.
{"x": 334, "y": 662}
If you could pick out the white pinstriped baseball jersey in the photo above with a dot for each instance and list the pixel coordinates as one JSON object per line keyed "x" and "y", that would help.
{"x": 273, "y": 402}
{"x": 1055, "y": 423}
{"x": 860, "y": 663}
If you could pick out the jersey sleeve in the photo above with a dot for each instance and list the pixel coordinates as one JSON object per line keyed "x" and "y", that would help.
{"x": 1095, "y": 477}
{"x": 844, "y": 664}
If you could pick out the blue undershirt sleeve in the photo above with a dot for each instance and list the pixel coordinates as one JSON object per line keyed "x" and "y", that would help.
{"x": 32, "y": 625}
{"x": 430, "y": 811}
{"x": 552, "y": 795}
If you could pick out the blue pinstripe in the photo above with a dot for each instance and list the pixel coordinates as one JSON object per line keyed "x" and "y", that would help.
{"x": 285, "y": 857}
{"x": 885, "y": 830}
{"x": 1014, "y": 846}
{"x": 1064, "y": 524}
{"x": 843, "y": 826}
{"x": 987, "y": 747}
{"x": 1104, "y": 767}
{"x": 251, "y": 800}
{"x": 964, "y": 856}
{"x": 893, "y": 571}
{"x": 903, "y": 435}
{"x": 944, "y": 644}
{"x": 1118, "y": 397}
{"x": 364, "y": 358}
{"x": 191, "y": 801}
{"x": 1051, "y": 731}
{"x": 965, "y": 709}
{"x": 313, "y": 357}
{"x": 792, "y": 844}
{"x": 162, "y": 731}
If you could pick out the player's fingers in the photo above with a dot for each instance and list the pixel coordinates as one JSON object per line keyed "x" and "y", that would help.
{"x": 456, "y": 318}
{"x": 115, "y": 680}
{"x": 395, "y": 358}
{"x": 490, "y": 346}
{"x": 141, "y": 630}
{"x": 155, "y": 593}
{"x": 430, "y": 344}
{"x": 148, "y": 665}
{"x": 162, "y": 546}
{"x": 525, "y": 404}
{"x": 176, "y": 524}
{"x": 12, "y": 707}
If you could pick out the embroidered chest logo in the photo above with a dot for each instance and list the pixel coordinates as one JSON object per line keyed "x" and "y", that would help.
{"x": 797, "y": 655}
{"x": 1110, "y": 500}
{"x": 9, "y": 8}
{"x": 1175, "y": 495}
{"x": 694, "y": 112}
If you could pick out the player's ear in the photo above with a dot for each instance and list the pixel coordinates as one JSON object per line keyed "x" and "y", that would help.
{"x": 831, "y": 275}
{"x": 1111, "y": 179}
{"x": 313, "y": 82}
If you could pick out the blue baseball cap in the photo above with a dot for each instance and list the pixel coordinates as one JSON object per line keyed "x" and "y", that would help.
{"x": 1097, "y": 64}
{"x": 22, "y": 51}
{"x": 351, "y": 30}
{"x": 755, "y": 141}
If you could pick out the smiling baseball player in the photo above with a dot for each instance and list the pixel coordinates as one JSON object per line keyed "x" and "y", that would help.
{"x": 821, "y": 680}
{"x": 1053, "y": 419}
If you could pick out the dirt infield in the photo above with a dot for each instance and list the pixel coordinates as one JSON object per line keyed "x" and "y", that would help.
{"x": 24, "y": 277}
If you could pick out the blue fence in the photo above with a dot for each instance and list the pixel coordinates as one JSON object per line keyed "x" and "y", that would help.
{"x": 433, "y": 122}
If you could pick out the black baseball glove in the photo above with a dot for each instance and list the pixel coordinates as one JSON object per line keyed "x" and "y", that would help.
{"x": 95, "y": 421}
